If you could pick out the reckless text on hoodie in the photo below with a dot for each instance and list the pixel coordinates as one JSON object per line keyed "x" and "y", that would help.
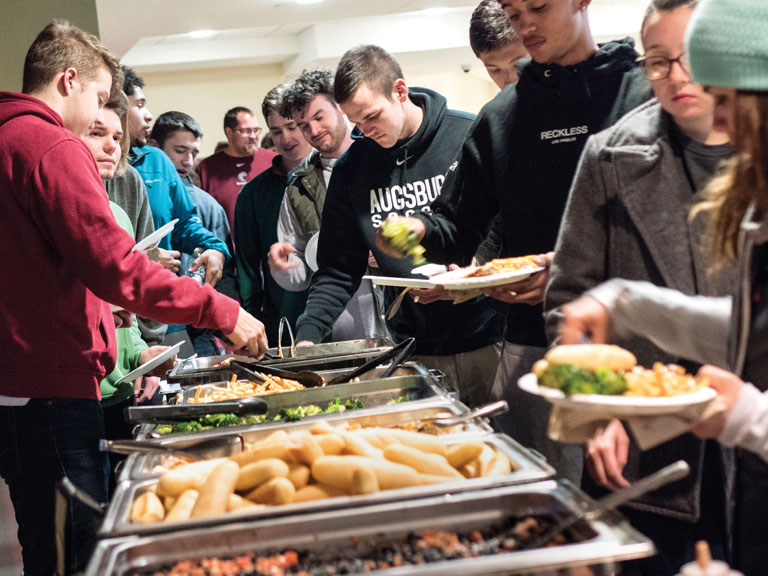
{"x": 519, "y": 159}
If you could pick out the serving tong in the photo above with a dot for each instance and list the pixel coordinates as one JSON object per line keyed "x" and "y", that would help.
{"x": 199, "y": 450}
{"x": 488, "y": 410}
{"x": 398, "y": 354}
{"x": 671, "y": 473}
{"x": 284, "y": 322}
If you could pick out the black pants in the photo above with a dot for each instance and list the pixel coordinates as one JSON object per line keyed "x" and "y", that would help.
{"x": 40, "y": 443}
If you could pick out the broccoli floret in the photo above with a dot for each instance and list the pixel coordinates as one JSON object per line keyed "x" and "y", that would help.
{"x": 353, "y": 404}
{"x": 335, "y": 405}
{"x": 556, "y": 375}
{"x": 291, "y": 414}
{"x": 610, "y": 382}
{"x": 191, "y": 426}
{"x": 398, "y": 400}
{"x": 221, "y": 420}
{"x": 312, "y": 410}
{"x": 164, "y": 429}
{"x": 580, "y": 382}
{"x": 570, "y": 380}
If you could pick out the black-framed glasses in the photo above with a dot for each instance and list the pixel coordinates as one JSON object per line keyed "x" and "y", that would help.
{"x": 660, "y": 67}
{"x": 248, "y": 131}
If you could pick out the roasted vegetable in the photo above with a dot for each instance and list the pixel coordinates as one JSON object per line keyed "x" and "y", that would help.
{"x": 402, "y": 238}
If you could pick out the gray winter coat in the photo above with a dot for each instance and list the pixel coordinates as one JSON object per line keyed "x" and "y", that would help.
{"x": 628, "y": 217}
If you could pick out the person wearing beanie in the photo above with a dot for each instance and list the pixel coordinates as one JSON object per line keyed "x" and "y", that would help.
{"x": 727, "y": 43}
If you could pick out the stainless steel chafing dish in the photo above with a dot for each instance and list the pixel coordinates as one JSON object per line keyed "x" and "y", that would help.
{"x": 143, "y": 466}
{"x": 329, "y": 356}
{"x": 598, "y": 543}
{"x": 526, "y": 468}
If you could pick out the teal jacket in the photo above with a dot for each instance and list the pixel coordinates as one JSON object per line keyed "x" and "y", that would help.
{"x": 169, "y": 199}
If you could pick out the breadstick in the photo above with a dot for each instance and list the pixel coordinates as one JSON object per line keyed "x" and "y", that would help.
{"x": 273, "y": 492}
{"x": 214, "y": 494}
{"x": 183, "y": 507}
{"x": 460, "y": 454}
{"x": 255, "y": 474}
{"x": 432, "y": 464}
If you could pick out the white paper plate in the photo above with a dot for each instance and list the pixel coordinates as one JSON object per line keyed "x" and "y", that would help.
{"x": 153, "y": 239}
{"x": 152, "y": 364}
{"x": 310, "y": 252}
{"x": 400, "y": 282}
{"x": 618, "y": 405}
{"x": 456, "y": 279}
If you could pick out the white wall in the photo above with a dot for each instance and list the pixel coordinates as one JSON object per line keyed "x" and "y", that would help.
{"x": 207, "y": 94}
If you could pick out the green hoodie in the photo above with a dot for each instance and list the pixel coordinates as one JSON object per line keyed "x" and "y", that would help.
{"x": 129, "y": 342}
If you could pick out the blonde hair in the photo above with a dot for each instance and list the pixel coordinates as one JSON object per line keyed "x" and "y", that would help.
{"x": 60, "y": 46}
{"x": 745, "y": 176}
{"x": 119, "y": 105}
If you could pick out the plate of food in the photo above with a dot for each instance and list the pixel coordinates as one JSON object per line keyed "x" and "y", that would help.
{"x": 494, "y": 273}
{"x": 607, "y": 378}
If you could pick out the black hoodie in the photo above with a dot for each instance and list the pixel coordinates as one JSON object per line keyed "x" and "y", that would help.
{"x": 520, "y": 157}
{"x": 367, "y": 184}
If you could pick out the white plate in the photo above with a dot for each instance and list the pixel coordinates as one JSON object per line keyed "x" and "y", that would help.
{"x": 618, "y": 405}
{"x": 429, "y": 269}
{"x": 400, "y": 282}
{"x": 310, "y": 252}
{"x": 153, "y": 239}
{"x": 456, "y": 279}
{"x": 150, "y": 365}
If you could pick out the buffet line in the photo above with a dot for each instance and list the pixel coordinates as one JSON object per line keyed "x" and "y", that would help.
{"x": 385, "y": 472}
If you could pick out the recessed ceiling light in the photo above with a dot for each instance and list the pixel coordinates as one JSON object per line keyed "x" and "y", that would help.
{"x": 437, "y": 11}
{"x": 202, "y": 33}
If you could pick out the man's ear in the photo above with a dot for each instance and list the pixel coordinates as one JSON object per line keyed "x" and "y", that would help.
{"x": 400, "y": 88}
{"x": 153, "y": 142}
{"x": 68, "y": 80}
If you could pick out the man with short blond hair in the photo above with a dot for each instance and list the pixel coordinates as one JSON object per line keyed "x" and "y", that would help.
{"x": 69, "y": 258}
{"x": 224, "y": 173}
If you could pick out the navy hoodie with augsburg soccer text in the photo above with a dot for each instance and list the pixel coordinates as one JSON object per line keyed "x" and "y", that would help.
{"x": 520, "y": 157}
{"x": 367, "y": 184}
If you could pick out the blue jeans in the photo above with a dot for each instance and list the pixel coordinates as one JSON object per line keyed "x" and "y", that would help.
{"x": 40, "y": 443}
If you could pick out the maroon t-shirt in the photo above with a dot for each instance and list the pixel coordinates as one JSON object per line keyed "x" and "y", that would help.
{"x": 223, "y": 176}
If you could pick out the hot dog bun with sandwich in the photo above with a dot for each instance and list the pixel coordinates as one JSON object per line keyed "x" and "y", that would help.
{"x": 585, "y": 369}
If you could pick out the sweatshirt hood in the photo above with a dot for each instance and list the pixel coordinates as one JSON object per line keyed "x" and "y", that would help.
{"x": 434, "y": 107}
{"x": 13, "y": 105}
{"x": 610, "y": 58}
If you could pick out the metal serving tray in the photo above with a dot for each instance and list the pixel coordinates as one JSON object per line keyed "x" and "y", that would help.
{"x": 604, "y": 541}
{"x": 225, "y": 373}
{"x": 143, "y": 466}
{"x": 527, "y": 468}
{"x": 419, "y": 384}
{"x": 333, "y": 355}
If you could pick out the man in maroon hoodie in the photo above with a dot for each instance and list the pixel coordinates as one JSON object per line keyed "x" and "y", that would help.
{"x": 66, "y": 257}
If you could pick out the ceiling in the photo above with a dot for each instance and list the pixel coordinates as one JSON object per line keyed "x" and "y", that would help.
{"x": 153, "y": 35}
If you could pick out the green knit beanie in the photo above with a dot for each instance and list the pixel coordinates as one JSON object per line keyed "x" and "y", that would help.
{"x": 727, "y": 43}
